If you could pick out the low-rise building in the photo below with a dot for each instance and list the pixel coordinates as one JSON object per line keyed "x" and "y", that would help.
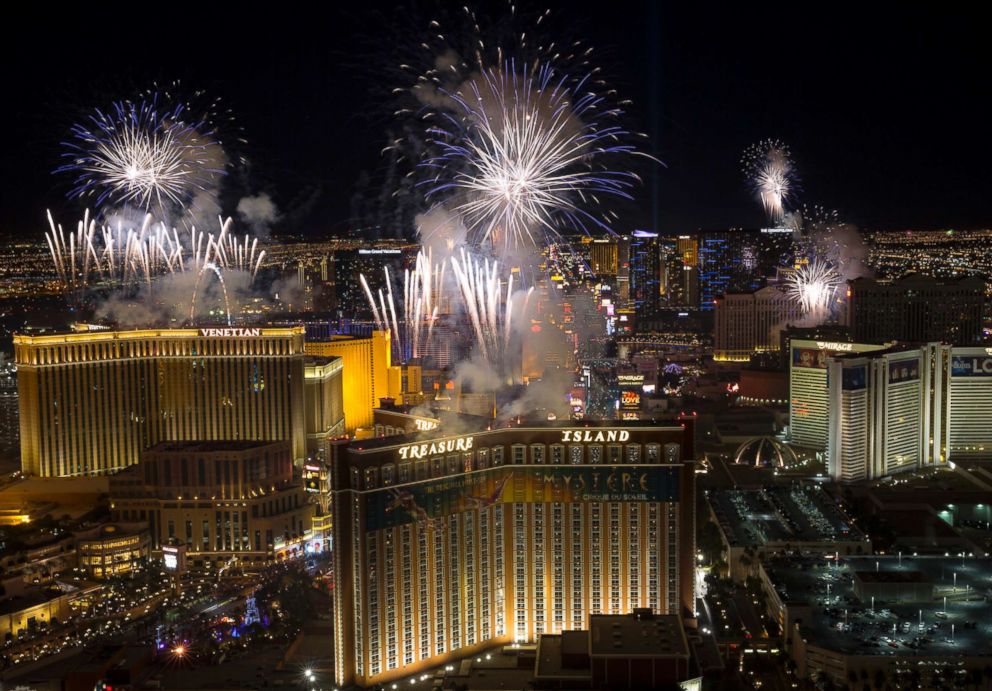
{"x": 640, "y": 650}
{"x": 884, "y": 629}
{"x": 755, "y": 524}
{"x": 113, "y": 549}
{"x": 222, "y": 499}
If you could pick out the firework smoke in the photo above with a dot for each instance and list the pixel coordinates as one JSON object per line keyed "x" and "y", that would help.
{"x": 771, "y": 175}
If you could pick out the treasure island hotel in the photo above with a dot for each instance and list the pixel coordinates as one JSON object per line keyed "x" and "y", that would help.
{"x": 446, "y": 545}
{"x": 92, "y": 402}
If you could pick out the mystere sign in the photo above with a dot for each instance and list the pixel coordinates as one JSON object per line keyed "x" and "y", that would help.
{"x": 424, "y": 502}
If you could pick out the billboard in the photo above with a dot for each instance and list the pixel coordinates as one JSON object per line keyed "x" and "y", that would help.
{"x": 854, "y": 378}
{"x": 311, "y": 478}
{"x": 423, "y": 502}
{"x": 810, "y": 358}
{"x": 971, "y": 366}
{"x": 174, "y": 558}
{"x": 630, "y": 399}
{"x": 903, "y": 371}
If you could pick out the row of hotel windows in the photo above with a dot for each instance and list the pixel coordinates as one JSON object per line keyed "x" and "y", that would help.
{"x": 539, "y": 454}
{"x": 111, "y": 350}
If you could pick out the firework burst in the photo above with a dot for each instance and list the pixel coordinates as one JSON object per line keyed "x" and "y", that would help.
{"x": 490, "y": 309}
{"x": 127, "y": 257}
{"x": 422, "y": 289}
{"x": 813, "y": 286}
{"x": 526, "y": 153}
{"x": 142, "y": 154}
{"x": 771, "y": 175}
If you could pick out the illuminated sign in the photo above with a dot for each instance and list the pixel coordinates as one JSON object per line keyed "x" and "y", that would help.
{"x": 425, "y": 424}
{"x": 589, "y": 435}
{"x": 635, "y": 379}
{"x": 833, "y": 345}
{"x": 311, "y": 478}
{"x": 980, "y": 366}
{"x": 630, "y": 400}
{"x": 380, "y": 251}
{"x": 229, "y": 333}
{"x": 174, "y": 558}
{"x": 434, "y": 448}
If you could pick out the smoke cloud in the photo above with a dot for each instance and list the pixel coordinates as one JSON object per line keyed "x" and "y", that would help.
{"x": 441, "y": 231}
{"x": 259, "y": 213}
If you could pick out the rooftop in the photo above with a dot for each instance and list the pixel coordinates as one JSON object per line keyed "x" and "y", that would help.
{"x": 753, "y": 518}
{"x": 639, "y": 634}
{"x": 839, "y": 621}
{"x": 891, "y": 577}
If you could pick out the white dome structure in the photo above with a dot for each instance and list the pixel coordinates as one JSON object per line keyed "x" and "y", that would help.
{"x": 764, "y": 452}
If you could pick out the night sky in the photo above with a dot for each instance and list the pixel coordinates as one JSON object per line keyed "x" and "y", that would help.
{"x": 885, "y": 107}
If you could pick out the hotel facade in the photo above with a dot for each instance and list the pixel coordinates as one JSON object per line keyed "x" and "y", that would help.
{"x": 876, "y": 411}
{"x": 447, "y": 545}
{"x": 91, "y": 402}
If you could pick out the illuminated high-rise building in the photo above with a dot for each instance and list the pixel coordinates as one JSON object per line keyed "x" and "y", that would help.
{"x": 680, "y": 271}
{"x": 448, "y": 545}
{"x": 809, "y": 400}
{"x": 603, "y": 259}
{"x": 92, "y": 402}
{"x": 645, "y": 273}
{"x": 745, "y": 323}
{"x": 365, "y": 378}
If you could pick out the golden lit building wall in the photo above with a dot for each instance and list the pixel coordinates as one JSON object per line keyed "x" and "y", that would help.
{"x": 324, "y": 403}
{"x": 366, "y": 363}
{"x": 92, "y": 402}
{"x": 448, "y": 545}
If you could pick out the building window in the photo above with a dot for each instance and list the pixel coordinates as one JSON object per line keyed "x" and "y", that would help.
{"x": 370, "y": 478}
{"x": 497, "y": 455}
{"x": 404, "y": 472}
{"x": 595, "y": 452}
{"x": 519, "y": 452}
{"x": 557, "y": 454}
{"x": 575, "y": 454}
{"x": 537, "y": 453}
{"x": 387, "y": 474}
{"x": 633, "y": 453}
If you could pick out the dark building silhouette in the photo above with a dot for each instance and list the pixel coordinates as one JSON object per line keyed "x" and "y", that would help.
{"x": 917, "y": 308}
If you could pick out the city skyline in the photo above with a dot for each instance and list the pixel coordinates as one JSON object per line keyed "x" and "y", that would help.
{"x": 489, "y": 346}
